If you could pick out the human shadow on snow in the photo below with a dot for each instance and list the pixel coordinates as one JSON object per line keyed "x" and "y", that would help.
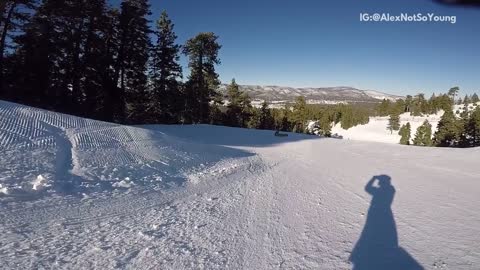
{"x": 378, "y": 246}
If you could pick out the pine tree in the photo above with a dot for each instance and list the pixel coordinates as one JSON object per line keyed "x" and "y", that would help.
{"x": 247, "y": 110}
{"x": 466, "y": 100}
{"x": 408, "y": 103}
{"x": 266, "y": 120}
{"x": 39, "y": 58}
{"x": 433, "y": 104}
{"x": 132, "y": 58}
{"x": 420, "y": 105}
{"x": 447, "y": 134}
{"x": 203, "y": 81}
{"x": 65, "y": 58}
{"x": 239, "y": 109}
{"x": 96, "y": 61}
{"x": 475, "y": 98}
{"x": 286, "y": 124}
{"x": 394, "y": 122}
{"x": 384, "y": 107}
{"x": 462, "y": 126}
{"x": 473, "y": 128}
{"x": 165, "y": 73}
{"x": 405, "y": 132}
{"x": 217, "y": 116}
{"x": 453, "y": 92}
{"x": 299, "y": 114}
{"x": 423, "y": 136}
{"x": 107, "y": 99}
{"x": 14, "y": 16}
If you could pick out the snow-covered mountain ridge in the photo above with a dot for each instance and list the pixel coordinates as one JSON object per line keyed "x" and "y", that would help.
{"x": 321, "y": 95}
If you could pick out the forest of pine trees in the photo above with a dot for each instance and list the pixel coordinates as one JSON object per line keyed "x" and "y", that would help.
{"x": 90, "y": 59}
{"x": 455, "y": 129}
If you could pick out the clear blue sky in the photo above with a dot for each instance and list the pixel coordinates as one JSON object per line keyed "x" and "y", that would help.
{"x": 322, "y": 43}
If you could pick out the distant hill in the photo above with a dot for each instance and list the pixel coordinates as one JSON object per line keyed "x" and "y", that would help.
{"x": 323, "y": 95}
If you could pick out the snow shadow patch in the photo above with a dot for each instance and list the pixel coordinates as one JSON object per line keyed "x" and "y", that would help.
{"x": 230, "y": 136}
{"x": 377, "y": 247}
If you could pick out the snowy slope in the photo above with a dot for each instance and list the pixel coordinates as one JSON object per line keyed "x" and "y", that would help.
{"x": 376, "y": 129}
{"x": 238, "y": 199}
{"x": 70, "y": 155}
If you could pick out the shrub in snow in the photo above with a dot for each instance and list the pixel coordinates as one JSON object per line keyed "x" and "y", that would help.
{"x": 313, "y": 127}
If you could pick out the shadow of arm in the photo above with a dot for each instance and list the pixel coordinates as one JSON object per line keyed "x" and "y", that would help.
{"x": 369, "y": 188}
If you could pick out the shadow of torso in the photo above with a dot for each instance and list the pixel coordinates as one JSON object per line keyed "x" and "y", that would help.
{"x": 378, "y": 246}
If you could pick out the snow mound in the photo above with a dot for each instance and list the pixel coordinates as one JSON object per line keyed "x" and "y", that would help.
{"x": 43, "y": 151}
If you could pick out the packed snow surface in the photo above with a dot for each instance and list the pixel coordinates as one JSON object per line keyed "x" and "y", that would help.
{"x": 83, "y": 194}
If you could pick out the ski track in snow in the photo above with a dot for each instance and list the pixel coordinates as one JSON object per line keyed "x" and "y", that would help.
{"x": 203, "y": 197}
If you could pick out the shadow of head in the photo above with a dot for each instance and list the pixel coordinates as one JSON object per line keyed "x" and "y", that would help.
{"x": 384, "y": 180}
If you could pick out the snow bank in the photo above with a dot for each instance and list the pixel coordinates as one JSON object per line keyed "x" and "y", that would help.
{"x": 47, "y": 151}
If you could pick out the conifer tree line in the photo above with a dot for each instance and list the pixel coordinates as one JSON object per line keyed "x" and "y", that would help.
{"x": 460, "y": 128}
{"x": 89, "y": 59}
{"x": 418, "y": 105}
{"x": 86, "y": 58}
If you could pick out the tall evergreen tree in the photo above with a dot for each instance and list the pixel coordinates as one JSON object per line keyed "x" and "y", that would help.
{"x": 473, "y": 128}
{"x": 393, "y": 122}
{"x": 447, "y": 133}
{"x": 132, "y": 58}
{"x": 266, "y": 120}
{"x": 453, "y": 92}
{"x": 166, "y": 72}
{"x": 239, "y": 109}
{"x": 433, "y": 104}
{"x": 475, "y": 98}
{"x": 300, "y": 114}
{"x": 14, "y": 15}
{"x": 38, "y": 57}
{"x": 285, "y": 123}
{"x": 96, "y": 61}
{"x": 64, "y": 58}
{"x": 384, "y": 108}
{"x": 405, "y": 133}
{"x": 420, "y": 105}
{"x": 408, "y": 103}
{"x": 202, "y": 84}
{"x": 423, "y": 136}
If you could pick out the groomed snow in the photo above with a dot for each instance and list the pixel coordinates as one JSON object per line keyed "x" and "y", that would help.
{"x": 209, "y": 197}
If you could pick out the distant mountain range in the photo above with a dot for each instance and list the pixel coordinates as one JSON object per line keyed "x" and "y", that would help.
{"x": 324, "y": 95}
